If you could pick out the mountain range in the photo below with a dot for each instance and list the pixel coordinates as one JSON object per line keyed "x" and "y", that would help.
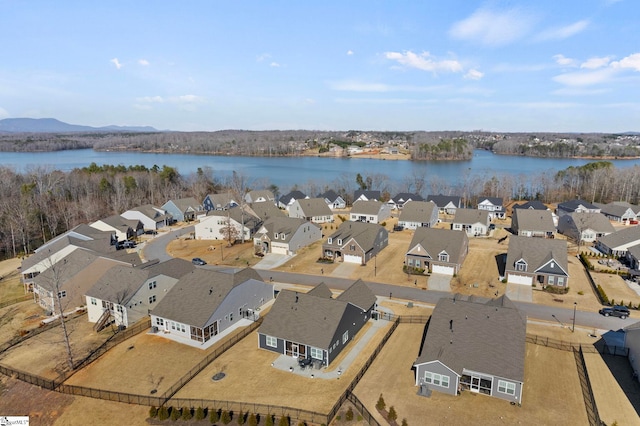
{"x": 51, "y": 125}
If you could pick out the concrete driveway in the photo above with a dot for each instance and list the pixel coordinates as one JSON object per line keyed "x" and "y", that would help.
{"x": 439, "y": 282}
{"x": 520, "y": 292}
{"x": 272, "y": 260}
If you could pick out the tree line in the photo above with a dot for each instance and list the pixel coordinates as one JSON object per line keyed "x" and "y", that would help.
{"x": 37, "y": 205}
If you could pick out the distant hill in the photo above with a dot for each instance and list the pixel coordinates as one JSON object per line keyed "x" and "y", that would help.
{"x": 51, "y": 125}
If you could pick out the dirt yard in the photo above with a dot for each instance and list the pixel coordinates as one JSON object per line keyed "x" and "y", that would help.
{"x": 617, "y": 289}
{"x": 19, "y": 317}
{"x": 551, "y": 381}
{"x": 10, "y": 285}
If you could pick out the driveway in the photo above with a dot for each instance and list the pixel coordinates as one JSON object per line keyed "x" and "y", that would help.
{"x": 272, "y": 260}
{"x": 345, "y": 270}
{"x": 520, "y": 292}
{"x": 439, "y": 282}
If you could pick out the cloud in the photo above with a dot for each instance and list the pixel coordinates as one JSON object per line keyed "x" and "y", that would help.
{"x": 564, "y": 61}
{"x": 143, "y": 62}
{"x": 594, "y": 63}
{"x": 631, "y": 61}
{"x": 116, "y": 62}
{"x": 274, "y": 64}
{"x": 359, "y": 86}
{"x": 424, "y": 62}
{"x": 578, "y": 91}
{"x": 585, "y": 78}
{"x": 181, "y": 99}
{"x": 349, "y": 52}
{"x": 473, "y": 74}
{"x": 262, "y": 57}
{"x": 3, "y": 113}
{"x": 560, "y": 33}
{"x": 493, "y": 28}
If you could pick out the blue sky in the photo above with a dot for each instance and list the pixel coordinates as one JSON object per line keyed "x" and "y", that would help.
{"x": 561, "y": 65}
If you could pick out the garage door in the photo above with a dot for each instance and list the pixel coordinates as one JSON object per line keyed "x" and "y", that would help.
{"x": 445, "y": 270}
{"x": 278, "y": 249}
{"x": 350, "y": 258}
{"x": 520, "y": 279}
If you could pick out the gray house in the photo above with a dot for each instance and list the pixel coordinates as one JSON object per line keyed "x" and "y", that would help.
{"x": 287, "y": 200}
{"x": 260, "y": 196}
{"x": 493, "y": 205}
{"x": 333, "y": 200}
{"x": 416, "y": 214}
{"x": 399, "y": 200}
{"x": 314, "y": 210}
{"x": 314, "y": 325}
{"x": 585, "y": 227}
{"x": 540, "y": 261}
{"x": 222, "y": 201}
{"x": 152, "y": 218}
{"x": 356, "y": 242}
{"x": 184, "y": 209}
{"x": 442, "y": 251}
{"x": 533, "y": 223}
{"x": 447, "y": 204}
{"x": 619, "y": 211}
{"x": 572, "y": 206}
{"x": 124, "y": 229}
{"x": 473, "y": 346}
{"x": 205, "y": 303}
{"x": 369, "y": 211}
{"x": 619, "y": 242}
{"x": 285, "y": 235}
{"x": 473, "y": 222}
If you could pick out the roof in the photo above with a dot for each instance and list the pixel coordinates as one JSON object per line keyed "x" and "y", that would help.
{"x": 119, "y": 284}
{"x": 65, "y": 269}
{"x": 359, "y": 294}
{"x": 621, "y": 237}
{"x": 417, "y": 211}
{"x": 321, "y": 290}
{"x": 585, "y": 220}
{"x": 265, "y": 211}
{"x": 618, "y": 209}
{"x": 313, "y": 207}
{"x": 486, "y": 337}
{"x": 436, "y": 240}
{"x": 534, "y": 220}
{"x": 259, "y": 193}
{"x": 329, "y": 195}
{"x": 183, "y": 204}
{"x": 174, "y": 268}
{"x": 364, "y": 233}
{"x": 537, "y": 252}
{"x": 151, "y": 212}
{"x": 370, "y": 195}
{"x": 572, "y": 205}
{"x": 442, "y": 200}
{"x": 285, "y": 225}
{"x": 370, "y": 207}
{"x": 221, "y": 200}
{"x": 532, "y": 205}
{"x": 403, "y": 197}
{"x": 471, "y": 216}
{"x": 496, "y": 201}
{"x": 293, "y": 195}
{"x": 118, "y": 222}
{"x": 235, "y": 212}
{"x": 197, "y": 295}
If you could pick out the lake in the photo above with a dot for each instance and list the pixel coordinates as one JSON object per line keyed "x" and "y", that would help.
{"x": 287, "y": 171}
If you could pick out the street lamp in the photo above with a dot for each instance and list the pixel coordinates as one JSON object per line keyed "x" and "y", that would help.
{"x": 575, "y": 305}
{"x": 375, "y": 265}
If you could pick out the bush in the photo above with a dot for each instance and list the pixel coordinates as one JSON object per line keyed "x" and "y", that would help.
{"x": 199, "y": 413}
{"x": 359, "y": 418}
{"x": 556, "y": 290}
{"x": 349, "y": 415}
{"x": 383, "y": 224}
{"x": 153, "y": 412}
{"x": 581, "y": 293}
{"x": 284, "y": 421}
{"x": 253, "y": 420}
{"x": 175, "y": 413}
{"x": 380, "y": 404}
{"x": 241, "y": 418}
{"x": 603, "y": 296}
{"x": 413, "y": 271}
{"x": 225, "y": 417}
{"x": 404, "y": 422}
{"x": 163, "y": 413}
{"x": 269, "y": 420}
{"x": 186, "y": 413}
{"x": 214, "y": 416}
{"x": 392, "y": 414}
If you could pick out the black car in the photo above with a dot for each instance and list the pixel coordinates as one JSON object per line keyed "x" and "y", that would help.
{"x": 615, "y": 311}
{"x": 198, "y": 261}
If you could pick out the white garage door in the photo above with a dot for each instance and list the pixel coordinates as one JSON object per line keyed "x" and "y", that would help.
{"x": 278, "y": 249}
{"x": 520, "y": 279}
{"x": 350, "y": 258}
{"x": 445, "y": 270}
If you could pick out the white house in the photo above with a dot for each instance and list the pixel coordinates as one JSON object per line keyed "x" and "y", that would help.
{"x": 152, "y": 218}
{"x": 214, "y": 225}
{"x": 369, "y": 211}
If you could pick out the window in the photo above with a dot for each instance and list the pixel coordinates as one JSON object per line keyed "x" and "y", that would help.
{"x": 410, "y": 261}
{"x": 159, "y": 321}
{"x": 345, "y": 337}
{"x": 443, "y": 257}
{"x": 231, "y": 316}
{"x": 152, "y": 298}
{"x": 316, "y": 353}
{"x": 551, "y": 280}
{"x": 521, "y": 265}
{"x": 561, "y": 281}
{"x": 339, "y": 241}
{"x": 436, "y": 379}
{"x": 417, "y": 263}
{"x": 271, "y": 341}
{"x": 282, "y": 236}
{"x": 94, "y": 301}
{"x": 62, "y": 294}
{"x": 506, "y": 387}
{"x": 152, "y": 285}
{"x": 352, "y": 247}
{"x": 119, "y": 308}
{"x": 330, "y": 240}
{"x": 275, "y": 236}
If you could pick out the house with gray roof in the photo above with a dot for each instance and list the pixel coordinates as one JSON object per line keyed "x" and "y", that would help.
{"x": 314, "y": 210}
{"x": 260, "y": 196}
{"x": 533, "y": 223}
{"x": 531, "y": 205}
{"x": 216, "y": 224}
{"x": 617, "y": 243}
{"x": 447, "y": 204}
{"x": 265, "y": 211}
{"x": 493, "y": 205}
{"x": 474, "y": 222}
{"x": 441, "y": 251}
{"x": 619, "y": 211}
{"x": 537, "y": 261}
{"x": 285, "y": 235}
{"x": 221, "y": 201}
{"x": 184, "y": 209}
{"x": 123, "y": 229}
{"x": 578, "y": 206}
{"x": 370, "y": 211}
{"x": 123, "y": 295}
{"x": 633, "y": 257}
{"x": 314, "y": 325}
{"x": 398, "y": 201}
{"x": 333, "y": 199}
{"x": 366, "y": 195}
{"x": 206, "y": 303}
{"x": 417, "y": 214}
{"x": 355, "y": 242}
{"x": 287, "y": 200}
{"x": 152, "y": 217}
{"x": 473, "y": 345}
{"x": 584, "y": 227}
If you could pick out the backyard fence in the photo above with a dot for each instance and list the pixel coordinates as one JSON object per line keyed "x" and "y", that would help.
{"x": 598, "y": 347}
{"x": 587, "y": 391}
{"x": 585, "y": 263}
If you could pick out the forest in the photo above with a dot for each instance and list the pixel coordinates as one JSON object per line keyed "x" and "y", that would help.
{"x": 40, "y": 204}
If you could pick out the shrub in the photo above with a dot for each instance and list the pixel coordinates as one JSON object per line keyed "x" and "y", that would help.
{"x": 186, "y": 413}
{"x": 214, "y": 416}
{"x": 253, "y": 420}
{"x": 349, "y": 415}
{"x": 225, "y": 417}
{"x": 613, "y": 302}
{"x": 383, "y": 224}
{"x": 504, "y": 280}
{"x": 380, "y": 404}
{"x": 175, "y": 413}
{"x": 603, "y": 296}
{"x": 199, "y": 413}
{"x": 556, "y": 290}
{"x": 241, "y": 418}
{"x": 269, "y": 420}
{"x": 581, "y": 293}
{"x": 359, "y": 417}
{"x": 163, "y": 413}
{"x": 392, "y": 414}
{"x": 404, "y": 422}
{"x": 153, "y": 412}
{"x": 284, "y": 421}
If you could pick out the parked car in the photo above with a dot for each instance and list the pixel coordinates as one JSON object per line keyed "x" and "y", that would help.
{"x": 128, "y": 244}
{"x": 615, "y": 311}
{"x": 198, "y": 261}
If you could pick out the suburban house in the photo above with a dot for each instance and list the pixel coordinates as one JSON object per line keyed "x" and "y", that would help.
{"x": 584, "y": 227}
{"x": 314, "y": 210}
{"x": 537, "y": 261}
{"x": 619, "y": 211}
{"x": 365, "y": 195}
{"x": 533, "y": 223}
{"x": 235, "y": 223}
{"x": 531, "y": 205}
{"x": 124, "y": 295}
{"x": 633, "y": 257}
{"x": 473, "y": 222}
{"x": 493, "y": 205}
{"x": 473, "y": 346}
{"x": 152, "y": 218}
{"x": 617, "y": 243}
{"x": 285, "y": 235}
{"x": 417, "y": 214}
{"x": 333, "y": 200}
{"x": 205, "y": 303}
{"x": 265, "y": 211}
{"x": 222, "y": 201}
{"x": 355, "y": 242}
{"x": 402, "y": 198}
{"x": 314, "y": 325}
{"x": 260, "y": 196}
{"x": 572, "y": 206}
{"x": 287, "y": 200}
{"x": 441, "y": 251}
{"x": 447, "y": 204}
{"x": 123, "y": 229}
{"x": 369, "y": 211}
{"x": 69, "y": 280}
{"x": 184, "y": 209}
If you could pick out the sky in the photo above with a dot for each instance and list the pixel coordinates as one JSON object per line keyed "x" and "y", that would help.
{"x": 500, "y": 66}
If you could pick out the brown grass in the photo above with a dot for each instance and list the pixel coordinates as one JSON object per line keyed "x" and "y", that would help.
{"x": 10, "y": 284}
{"x": 616, "y": 288}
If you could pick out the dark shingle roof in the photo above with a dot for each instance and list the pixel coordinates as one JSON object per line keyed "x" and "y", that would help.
{"x": 443, "y": 200}
{"x": 403, "y": 197}
{"x": 363, "y": 233}
{"x": 417, "y": 211}
{"x": 621, "y": 237}
{"x": 571, "y": 205}
{"x": 436, "y": 240}
{"x": 369, "y": 207}
{"x": 537, "y": 252}
{"x": 321, "y": 290}
{"x": 531, "y": 205}
{"x": 370, "y": 195}
{"x": 358, "y": 294}
{"x": 471, "y": 216}
{"x": 534, "y": 220}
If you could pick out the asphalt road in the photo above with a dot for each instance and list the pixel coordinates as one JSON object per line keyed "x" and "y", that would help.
{"x": 156, "y": 249}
